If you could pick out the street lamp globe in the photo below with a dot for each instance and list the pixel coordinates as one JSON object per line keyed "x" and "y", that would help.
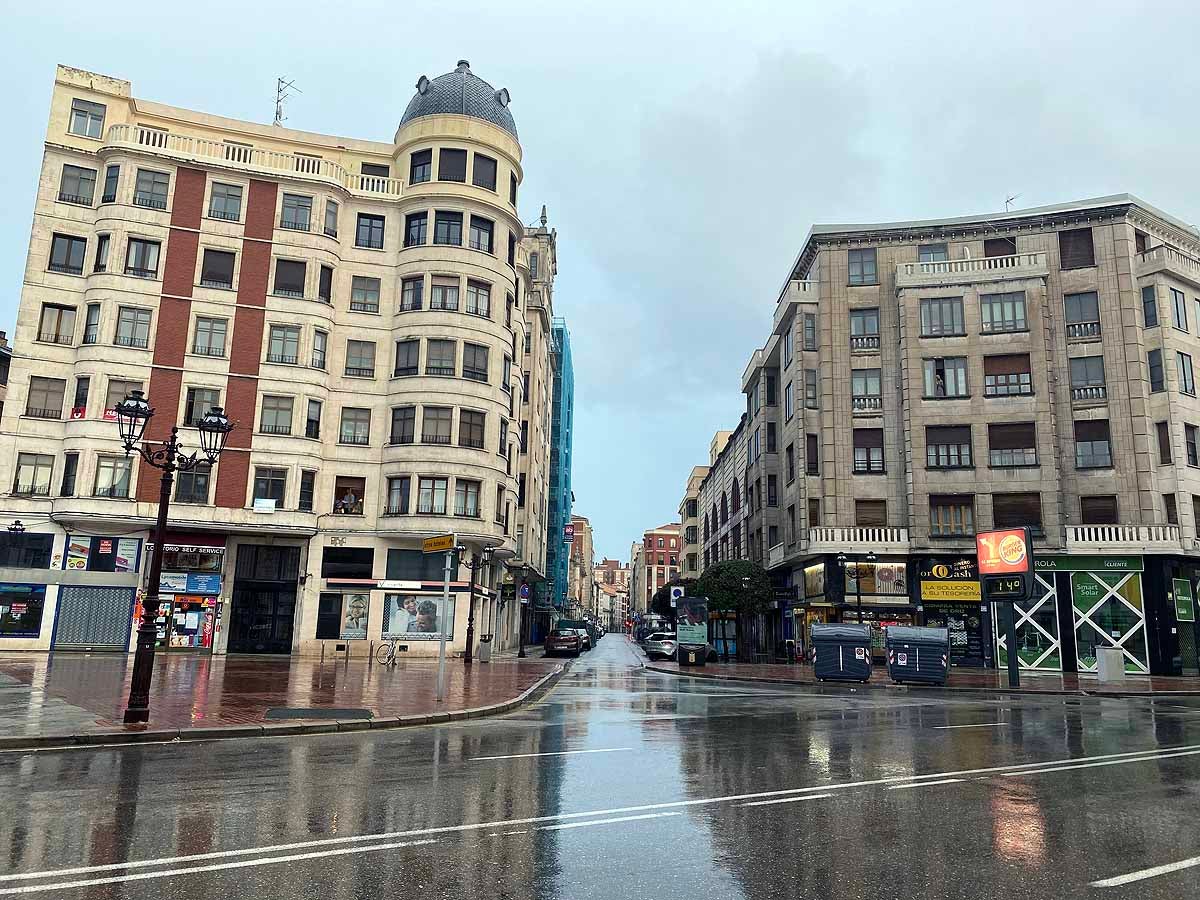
{"x": 133, "y": 414}
{"x": 214, "y": 431}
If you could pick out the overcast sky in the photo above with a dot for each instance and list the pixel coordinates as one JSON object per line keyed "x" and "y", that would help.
{"x": 683, "y": 150}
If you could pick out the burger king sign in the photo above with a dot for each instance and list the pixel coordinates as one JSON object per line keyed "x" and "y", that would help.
{"x": 1005, "y": 563}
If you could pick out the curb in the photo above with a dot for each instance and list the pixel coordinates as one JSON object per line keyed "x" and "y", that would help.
{"x": 821, "y": 688}
{"x": 231, "y": 732}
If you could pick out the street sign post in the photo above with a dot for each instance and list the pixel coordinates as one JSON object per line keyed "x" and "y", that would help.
{"x": 442, "y": 543}
{"x": 1006, "y": 576}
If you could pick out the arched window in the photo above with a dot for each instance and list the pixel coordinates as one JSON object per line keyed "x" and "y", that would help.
{"x": 737, "y": 496}
{"x": 724, "y": 508}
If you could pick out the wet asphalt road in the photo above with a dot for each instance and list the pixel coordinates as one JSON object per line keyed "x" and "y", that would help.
{"x": 625, "y": 784}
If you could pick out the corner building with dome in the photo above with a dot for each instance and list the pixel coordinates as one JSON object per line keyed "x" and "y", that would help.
{"x": 373, "y": 317}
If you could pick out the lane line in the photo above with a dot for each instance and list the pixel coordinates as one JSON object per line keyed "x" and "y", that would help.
{"x": 589, "y": 824}
{"x": 1130, "y": 757}
{"x": 1093, "y": 765}
{"x": 558, "y": 753}
{"x": 215, "y": 867}
{"x": 920, "y": 784}
{"x": 786, "y": 800}
{"x": 982, "y": 725}
{"x": 1143, "y": 874}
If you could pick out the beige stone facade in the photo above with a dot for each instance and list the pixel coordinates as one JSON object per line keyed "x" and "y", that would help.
{"x": 581, "y": 577}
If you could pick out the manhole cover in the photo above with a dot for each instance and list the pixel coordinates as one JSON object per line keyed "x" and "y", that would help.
{"x": 317, "y": 712}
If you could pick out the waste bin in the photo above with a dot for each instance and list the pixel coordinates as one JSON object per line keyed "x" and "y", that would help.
{"x": 1110, "y": 663}
{"x": 692, "y": 654}
{"x": 485, "y": 648}
{"x": 841, "y": 652}
{"x": 918, "y": 654}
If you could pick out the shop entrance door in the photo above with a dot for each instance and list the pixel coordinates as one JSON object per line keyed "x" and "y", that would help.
{"x": 261, "y": 619}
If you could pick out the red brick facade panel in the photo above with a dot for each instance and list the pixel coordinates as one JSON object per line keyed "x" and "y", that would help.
{"x": 187, "y": 207}
{"x": 233, "y": 470}
{"x": 171, "y": 335}
{"x": 260, "y": 210}
{"x": 241, "y": 395}
{"x": 244, "y": 353}
{"x": 255, "y": 274}
{"x": 179, "y": 270}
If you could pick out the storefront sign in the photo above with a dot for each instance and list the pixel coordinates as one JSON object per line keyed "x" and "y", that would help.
{"x": 691, "y": 623}
{"x": 1185, "y": 607}
{"x": 1005, "y": 563}
{"x": 1088, "y": 564}
{"x": 354, "y": 616}
{"x": 952, "y": 580}
{"x": 569, "y": 533}
{"x": 886, "y": 579}
{"x": 189, "y": 583}
{"x": 173, "y": 582}
{"x": 415, "y": 618}
{"x": 102, "y": 554}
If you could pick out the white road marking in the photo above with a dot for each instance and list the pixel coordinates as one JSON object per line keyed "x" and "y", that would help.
{"x": 981, "y": 725}
{"x": 1092, "y": 765}
{"x": 188, "y": 870}
{"x": 559, "y": 753}
{"x": 786, "y": 800}
{"x": 1127, "y": 757}
{"x": 918, "y": 784}
{"x": 592, "y": 822}
{"x": 1143, "y": 874}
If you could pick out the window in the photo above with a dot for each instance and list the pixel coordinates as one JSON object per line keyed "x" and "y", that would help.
{"x": 810, "y": 389}
{"x": 1075, "y": 249}
{"x": 312, "y": 419}
{"x": 948, "y": 447}
{"x": 1004, "y": 246}
{"x": 452, "y": 165}
{"x": 276, "y": 415}
{"x": 814, "y": 512}
{"x": 1007, "y": 375}
{"x": 420, "y": 166}
{"x": 787, "y": 347}
{"x": 1083, "y": 314}
{"x": 356, "y": 426}
{"x": 66, "y": 254}
{"x": 1179, "y": 306}
{"x": 868, "y": 451}
{"x": 864, "y": 329}
{"x": 436, "y": 424}
{"x": 933, "y": 253}
{"x": 524, "y": 435}
{"x": 810, "y": 331}
{"x": 1163, "y": 431}
{"x": 320, "y": 346}
{"x": 431, "y": 496}
{"x": 296, "y": 213}
{"x": 70, "y": 471}
{"x": 308, "y": 490}
{"x": 33, "y": 474}
{"x": 57, "y": 324}
{"x": 103, "y": 242}
{"x": 475, "y": 362}
{"x": 439, "y": 358}
{"x": 1149, "y": 307}
{"x": 112, "y": 476}
{"x": 524, "y": 387}
{"x": 528, "y": 342}
{"x": 502, "y": 445}
{"x": 412, "y": 294}
{"x": 369, "y": 232}
{"x": 141, "y": 258}
{"x": 502, "y": 511}
{"x": 112, "y": 175}
{"x": 398, "y": 489}
{"x": 91, "y": 325}
{"x": 870, "y": 513}
{"x": 862, "y": 266}
{"x": 951, "y": 516}
{"x": 772, "y": 438}
{"x": 1101, "y": 510}
{"x": 512, "y": 249}
{"x": 360, "y": 359}
{"x": 789, "y": 455}
{"x": 1093, "y": 446}
{"x": 289, "y": 278}
{"x": 283, "y": 344}
{"x": 376, "y": 170}
{"x": 471, "y": 429}
{"x": 364, "y": 294}
{"x": 1170, "y": 509}
{"x": 270, "y": 484}
{"x": 444, "y": 293}
{"x": 191, "y": 486}
{"x": 942, "y": 317}
{"x": 479, "y": 298}
{"x": 946, "y": 376}
{"x": 1012, "y": 445}
{"x": 1002, "y": 312}
{"x": 83, "y": 384}
{"x": 466, "y": 498}
{"x": 225, "y": 202}
{"x": 865, "y": 389}
{"x": 78, "y": 185}
{"x": 331, "y": 218}
{"x": 1187, "y": 382}
{"x": 325, "y": 284}
{"x": 812, "y": 463}
{"x": 791, "y": 524}
{"x": 1154, "y": 362}
{"x": 87, "y": 118}
{"x": 404, "y": 425}
{"x": 787, "y": 402}
{"x": 217, "y": 269}
{"x": 415, "y": 225}
{"x": 118, "y": 390}
{"x": 484, "y": 173}
{"x": 1016, "y": 510}
{"x": 1087, "y": 378}
{"x": 199, "y": 401}
{"x": 133, "y": 327}
{"x": 512, "y": 188}
{"x": 407, "y": 357}
{"x": 533, "y": 265}
{"x": 480, "y": 235}
{"x": 150, "y": 189}
{"x": 447, "y": 228}
{"x": 1189, "y": 440}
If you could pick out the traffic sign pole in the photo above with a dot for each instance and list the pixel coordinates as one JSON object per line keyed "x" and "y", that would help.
{"x": 441, "y": 672}
{"x": 1010, "y": 632}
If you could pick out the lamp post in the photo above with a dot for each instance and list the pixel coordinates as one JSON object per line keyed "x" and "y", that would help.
{"x": 133, "y": 415}
{"x": 479, "y": 559}
{"x": 522, "y": 602}
{"x": 842, "y": 560}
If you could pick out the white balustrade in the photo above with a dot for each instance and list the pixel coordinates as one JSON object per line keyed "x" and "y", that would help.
{"x": 1131, "y": 537}
{"x": 857, "y": 539}
{"x": 1170, "y": 258}
{"x": 979, "y": 268}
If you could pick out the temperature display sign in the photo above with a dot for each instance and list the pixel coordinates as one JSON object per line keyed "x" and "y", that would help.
{"x": 1005, "y": 564}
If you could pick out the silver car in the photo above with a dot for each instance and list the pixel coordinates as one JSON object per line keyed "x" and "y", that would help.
{"x": 660, "y": 645}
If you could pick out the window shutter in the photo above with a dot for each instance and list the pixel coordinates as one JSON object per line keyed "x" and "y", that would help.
{"x": 1012, "y": 437}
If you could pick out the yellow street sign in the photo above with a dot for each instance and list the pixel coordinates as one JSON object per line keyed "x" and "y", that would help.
{"x": 439, "y": 544}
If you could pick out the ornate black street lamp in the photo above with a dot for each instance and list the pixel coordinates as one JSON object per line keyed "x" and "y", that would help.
{"x": 479, "y": 560}
{"x": 522, "y": 603}
{"x": 133, "y": 415}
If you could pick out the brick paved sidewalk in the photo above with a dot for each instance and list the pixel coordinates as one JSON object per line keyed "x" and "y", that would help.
{"x": 81, "y": 696}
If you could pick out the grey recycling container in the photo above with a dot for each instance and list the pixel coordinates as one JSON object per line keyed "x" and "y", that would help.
{"x": 841, "y": 652}
{"x": 918, "y": 655}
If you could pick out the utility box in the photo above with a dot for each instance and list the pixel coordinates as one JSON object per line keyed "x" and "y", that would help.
{"x": 841, "y": 652}
{"x": 1110, "y": 663}
{"x": 918, "y": 654}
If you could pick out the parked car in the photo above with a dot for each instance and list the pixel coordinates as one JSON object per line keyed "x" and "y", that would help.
{"x": 588, "y": 628}
{"x": 563, "y": 640}
{"x": 584, "y": 637}
{"x": 660, "y": 645}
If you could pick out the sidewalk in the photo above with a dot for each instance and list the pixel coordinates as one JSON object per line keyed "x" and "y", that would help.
{"x": 64, "y": 698}
{"x": 960, "y": 680}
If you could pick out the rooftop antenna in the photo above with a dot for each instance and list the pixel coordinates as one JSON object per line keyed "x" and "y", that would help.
{"x": 1008, "y": 202}
{"x": 281, "y": 93}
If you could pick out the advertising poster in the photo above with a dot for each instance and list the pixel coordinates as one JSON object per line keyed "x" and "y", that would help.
{"x": 173, "y": 582}
{"x": 21, "y": 608}
{"x": 814, "y": 581}
{"x": 880, "y": 579}
{"x": 78, "y": 549}
{"x": 354, "y": 616}
{"x": 127, "y": 554}
{"x": 411, "y": 617}
{"x": 691, "y": 622}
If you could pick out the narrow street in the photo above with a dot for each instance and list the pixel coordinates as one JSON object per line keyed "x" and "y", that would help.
{"x": 626, "y": 784}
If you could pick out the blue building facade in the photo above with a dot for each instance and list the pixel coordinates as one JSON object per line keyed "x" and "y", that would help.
{"x": 562, "y": 424}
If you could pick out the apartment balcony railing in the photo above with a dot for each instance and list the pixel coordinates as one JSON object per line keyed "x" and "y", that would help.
{"x": 1125, "y": 538}
{"x": 971, "y": 271}
{"x": 867, "y": 404}
{"x": 53, "y": 337}
{"x": 798, "y": 291}
{"x": 1163, "y": 257}
{"x": 1091, "y": 394}
{"x": 864, "y": 342}
{"x": 775, "y": 556}
{"x": 249, "y": 159}
{"x": 1078, "y": 330}
{"x": 857, "y": 539}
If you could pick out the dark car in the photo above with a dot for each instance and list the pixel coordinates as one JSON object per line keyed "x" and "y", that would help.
{"x": 563, "y": 640}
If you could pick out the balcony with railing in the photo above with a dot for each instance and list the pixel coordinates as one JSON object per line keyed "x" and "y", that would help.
{"x": 54, "y": 337}
{"x": 857, "y": 539}
{"x": 972, "y": 270}
{"x": 191, "y": 148}
{"x": 1085, "y": 396}
{"x": 867, "y": 405}
{"x": 798, "y": 291}
{"x": 1107, "y": 539}
{"x": 1083, "y": 331}
{"x": 1176, "y": 262}
{"x": 775, "y": 556}
{"x": 864, "y": 342}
